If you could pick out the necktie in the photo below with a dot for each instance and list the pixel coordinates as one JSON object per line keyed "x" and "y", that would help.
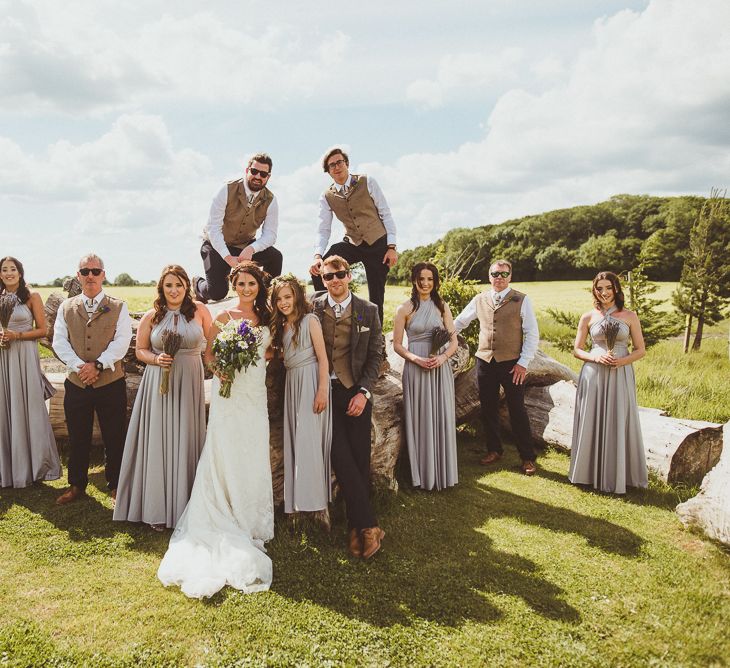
{"x": 498, "y": 300}
{"x": 89, "y": 304}
{"x": 250, "y": 199}
{"x": 344, "y": 191}
{"x": 338, "y": 310}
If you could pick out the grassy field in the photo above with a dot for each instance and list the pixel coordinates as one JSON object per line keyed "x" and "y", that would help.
{"x": 501, "y": 570}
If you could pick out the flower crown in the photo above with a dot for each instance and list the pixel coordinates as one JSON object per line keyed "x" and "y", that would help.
{"x": 286, "y": 278}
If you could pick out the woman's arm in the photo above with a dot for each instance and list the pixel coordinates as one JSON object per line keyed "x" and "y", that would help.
{"x": 637, "y": 341}
{"x": 35, "y": 303}
{"x": 453, "y": 342}
{"x": 399, "y": 327}
{"x": 143, "y": 346}
{"x": 580, "y": 341}
{"x": 323, "y": 368}
{"x": 210, "y": 334}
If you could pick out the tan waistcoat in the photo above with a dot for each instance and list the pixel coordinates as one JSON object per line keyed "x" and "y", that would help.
{"x": 337, "y": 337}
{"x": 357, "y": 212}
{"x": 90, "y": 337}
{"x": 241, "y": 220}
{"x": 500, "y": 328}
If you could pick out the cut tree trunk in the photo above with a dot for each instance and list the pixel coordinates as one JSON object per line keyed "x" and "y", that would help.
{"x": 710, "y": 509}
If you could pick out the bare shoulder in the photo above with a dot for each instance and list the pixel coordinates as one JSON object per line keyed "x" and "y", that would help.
{"x": 35, "y": 298}
{"x": 405, "y": 309}
{"x": 586, "y": 318}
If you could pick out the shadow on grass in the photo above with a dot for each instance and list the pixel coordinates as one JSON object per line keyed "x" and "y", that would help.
{"x": 438, "y": 562}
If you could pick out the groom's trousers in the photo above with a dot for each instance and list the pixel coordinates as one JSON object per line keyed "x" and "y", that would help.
{"x": 351, "y": 456}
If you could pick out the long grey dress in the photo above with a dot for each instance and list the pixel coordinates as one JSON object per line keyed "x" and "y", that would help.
{"x": 429, "y": 407}
{"x": 166, "y": 432}
{"x": 607, "y": 450}
{"x": 307, "y": 435}
{"x": 27, "y": 446}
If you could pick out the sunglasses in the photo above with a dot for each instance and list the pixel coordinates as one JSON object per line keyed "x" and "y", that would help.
{"x": 503, "y": 274}
{"x": 329, "y": 276}
{"x": 86, "y": 271}
{"x": 336, "y": 163}
{"x": 258, "y": 172}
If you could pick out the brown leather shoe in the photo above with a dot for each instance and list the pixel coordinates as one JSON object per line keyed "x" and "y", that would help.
{"x": 71, "y": 494}
{"x": 490, "y": 458}
{"x": 528, "y": 467}
{"x": 113, "y": 495}
{"x": 355, "y": 543}
{"x": 371, "y": 538}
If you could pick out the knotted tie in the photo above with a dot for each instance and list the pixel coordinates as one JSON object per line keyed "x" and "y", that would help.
{"x": 338, "y": 310}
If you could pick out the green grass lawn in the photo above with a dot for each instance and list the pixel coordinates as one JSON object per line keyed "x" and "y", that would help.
{"x": 501, "y": 570}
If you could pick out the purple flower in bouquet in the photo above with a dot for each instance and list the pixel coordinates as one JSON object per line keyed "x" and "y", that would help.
{"x": 235, "y": 348}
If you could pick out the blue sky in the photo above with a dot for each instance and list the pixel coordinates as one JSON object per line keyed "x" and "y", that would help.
{"x": 118, "y": 124}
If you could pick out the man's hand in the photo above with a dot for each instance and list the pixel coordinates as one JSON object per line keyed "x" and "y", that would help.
{"x": 231, "y": 260}
{"x": 246, "y": 254}
{"x": 316, "y": 266}
{"x": 88, "y": 373}
{"x": 357, "y": 405}
{"x": 390, "y": 258}
{"x": 518, "y": 374}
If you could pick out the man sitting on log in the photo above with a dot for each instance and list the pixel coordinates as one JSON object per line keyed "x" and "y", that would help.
{"x": 91, "y": 335}
{"x": 508, "y": 338}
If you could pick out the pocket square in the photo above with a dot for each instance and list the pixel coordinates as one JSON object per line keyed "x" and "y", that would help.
{"x": 364, "y": 329}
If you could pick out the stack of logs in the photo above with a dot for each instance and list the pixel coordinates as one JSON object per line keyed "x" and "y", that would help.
{"x": 677, "y": 450}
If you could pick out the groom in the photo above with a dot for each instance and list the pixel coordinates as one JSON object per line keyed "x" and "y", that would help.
{"x": 354, "y": 342}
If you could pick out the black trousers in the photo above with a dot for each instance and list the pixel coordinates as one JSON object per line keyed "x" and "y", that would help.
{"x": 351, "y": 456}
{"x": 490, "y": 375}
{"x": 372, "y": 258}
{"x": 215, "y": 285}
{"x": 110, "y": 404}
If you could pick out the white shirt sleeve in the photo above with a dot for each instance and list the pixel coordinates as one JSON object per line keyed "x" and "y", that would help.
{"x": 119, "y": 345}
{"x": 214, "y": 227}
{"x": 269, "y": 228}
{"x": 325, "y": 225}
{"x": 465, "y": 318}
{"x": 383, "y": 209}
{"x": 62, "y": 346}
{"x": 530, "y": 333}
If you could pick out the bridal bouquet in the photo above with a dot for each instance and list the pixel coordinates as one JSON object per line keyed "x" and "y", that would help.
{"x": 236, "y": 347}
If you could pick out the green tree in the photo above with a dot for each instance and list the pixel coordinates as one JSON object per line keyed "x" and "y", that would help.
{"x": 457, "y": 294}
{"x": 125, "y": 280}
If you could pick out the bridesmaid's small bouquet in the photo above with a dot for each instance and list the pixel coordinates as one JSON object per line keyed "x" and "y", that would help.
{"x": 8, "y": 302}
{"x": 440, "y": 336}
{"x": 236, "y": 347}
{"x": 171, "y": 342}
{"x": 610, "y": 329}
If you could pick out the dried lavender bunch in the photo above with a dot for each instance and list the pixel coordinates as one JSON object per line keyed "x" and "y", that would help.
{"x": 171, "y": 342}
{"x": 8, "y": 302}
{"x": 440, "y": 336}
{"x": 610, "y": 329}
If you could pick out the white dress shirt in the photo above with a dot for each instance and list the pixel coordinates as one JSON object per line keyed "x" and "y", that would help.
{"x": 530, "y": 331}
{"x": 116, "y": 349}
{"x": 213, "y": 230}
{"x": 325, "y": 214}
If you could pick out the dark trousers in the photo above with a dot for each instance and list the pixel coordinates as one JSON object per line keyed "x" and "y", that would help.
{"x": 372, "y": 258}
{"x": 351, "y": 457}
{"x": 215, "y": 285}
{"x": 490, "y": 375}
{"x": 110, "y": 404}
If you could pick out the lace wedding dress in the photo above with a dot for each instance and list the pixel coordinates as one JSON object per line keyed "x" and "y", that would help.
{"x": 220, "y": 536}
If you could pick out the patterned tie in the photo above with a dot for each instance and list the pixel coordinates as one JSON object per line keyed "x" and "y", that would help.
{"x": 250, "y": 199}
{"x": 338, "y": 310}
{"x": 497, "y": 300}
{"x": 345, "y": 190}
{"x": 90, "y": 305}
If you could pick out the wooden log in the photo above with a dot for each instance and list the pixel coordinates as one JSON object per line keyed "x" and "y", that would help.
{"x": 710, "y": 509}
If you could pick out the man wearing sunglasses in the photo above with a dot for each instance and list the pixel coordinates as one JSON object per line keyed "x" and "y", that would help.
{"x": 240, "y": 210}
{"x": 91, "y": 336}
{"x": 359, "y": 204}
{"x": 354, "y": 343}
{"x": 508, "y": 338}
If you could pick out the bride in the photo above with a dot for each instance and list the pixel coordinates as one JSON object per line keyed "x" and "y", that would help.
{"x": 220, "y": 536}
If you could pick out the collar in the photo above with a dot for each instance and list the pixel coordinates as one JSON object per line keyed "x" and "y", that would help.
{"x": 501, "y": 295}
{"x": 96, "y": 300}
{"x": 344, "y": 303}
{"x": 350, "y": 182}
{"x": 248, "y": 190}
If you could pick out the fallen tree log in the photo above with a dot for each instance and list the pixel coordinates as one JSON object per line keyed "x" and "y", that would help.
{"x": 710, "y": 509}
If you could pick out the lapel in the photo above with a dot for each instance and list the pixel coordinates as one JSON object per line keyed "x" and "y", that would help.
{"x": 505, "y": 299}
{"x": 81, "y": 309}
{"x": 242, "y": 197}
{"x": 357, "y": 322}
{"x": 99, "y": 310}
{"x": 354, "y": 180}
{"x": 318, "y": 306}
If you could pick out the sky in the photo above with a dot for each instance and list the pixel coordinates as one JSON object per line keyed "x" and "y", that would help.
{"x": 119, "y": 122}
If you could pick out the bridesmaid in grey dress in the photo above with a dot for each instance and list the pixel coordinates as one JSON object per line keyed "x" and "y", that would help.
{"x": 27, "y": 446}
{"x": 307, "y": 420}
{"x": 607, "y": 450}
{"x": 166, "y": 431}
{"x": 428, "y": 382}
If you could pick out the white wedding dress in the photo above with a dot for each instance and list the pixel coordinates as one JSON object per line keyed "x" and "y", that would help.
{"x": 220, "y": 536}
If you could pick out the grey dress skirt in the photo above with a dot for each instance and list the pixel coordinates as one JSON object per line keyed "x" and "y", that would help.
{"x": 166, "y": 432}
{"x": 307, "y": 435}
{"x": 607, "y": 450}
{"x": 429, "y": 407}
{"x": 27, "y": 446}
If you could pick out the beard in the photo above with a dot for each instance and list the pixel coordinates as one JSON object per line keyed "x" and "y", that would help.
{"x": 254, "y": 187}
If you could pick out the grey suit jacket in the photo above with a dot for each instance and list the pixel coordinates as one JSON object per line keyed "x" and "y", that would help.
{"x": 367, "y": 344}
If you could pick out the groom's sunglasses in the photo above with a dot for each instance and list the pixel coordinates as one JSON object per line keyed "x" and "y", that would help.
{"x": 330, "y": 275}
{"x": 86, "y": 271}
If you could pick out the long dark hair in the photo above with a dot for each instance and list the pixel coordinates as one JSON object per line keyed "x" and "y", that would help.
{"x": 278, "y": 319}
{"x": 618, "y": 293}
{"x": 22, "y": 293}
{"x": 435, "y": 296}
{"x": 187, "y": 308}
{"x": 261, "y": 303}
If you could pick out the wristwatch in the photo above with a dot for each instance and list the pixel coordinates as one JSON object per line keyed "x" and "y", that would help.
{"x": 391, "y": 246}
{"x": 367, "y": 394}
{"x": 99, "y": 366}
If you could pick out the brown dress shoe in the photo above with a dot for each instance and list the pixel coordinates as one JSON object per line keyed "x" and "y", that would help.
{"x": 490, "y": 458}
{"x": 371, "y": 538}
{"x": 355, "y": 543}
{"x": 113, "y": 495}
{"x": 528, "y": 467}
{"x": 71, "y": 494}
